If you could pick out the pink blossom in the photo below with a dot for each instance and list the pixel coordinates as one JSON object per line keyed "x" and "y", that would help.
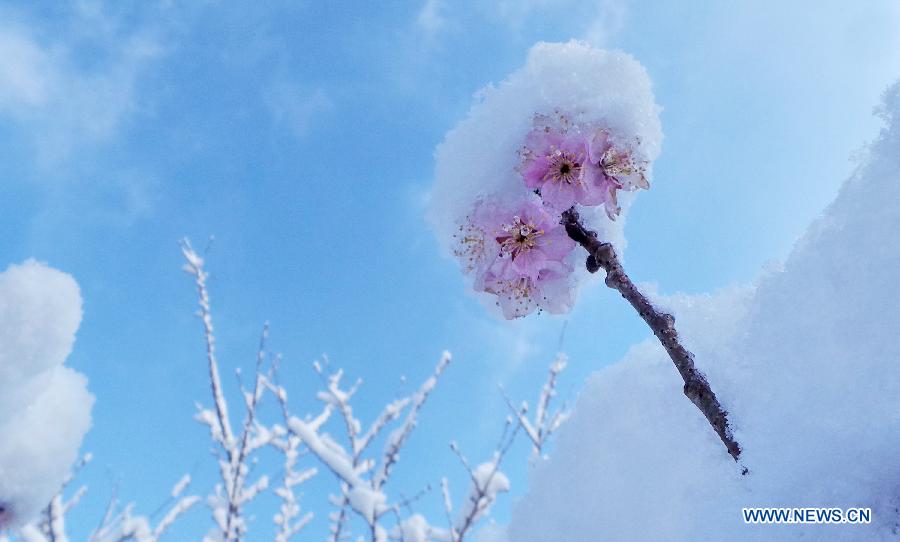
{"x": 550, "y": 290}
{"x": 556, "y": 163}
{"x": 583, "y": 164}
{"x": 614, "y": 167}
{"x": 518, "y": 253}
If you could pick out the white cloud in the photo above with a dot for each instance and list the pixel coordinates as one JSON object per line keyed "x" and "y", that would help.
{"x": 24, "y": 70}
{"x": 294, "y": 107}
{"x": 595, "y": 21}
{"x": 62, "y": 99}
{"x": 431, "y": 18}
{"x": 607, "y": 21}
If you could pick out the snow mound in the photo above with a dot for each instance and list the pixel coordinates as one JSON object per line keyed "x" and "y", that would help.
{"x": 44, "y": 406}
{"x": 807, "y": 364}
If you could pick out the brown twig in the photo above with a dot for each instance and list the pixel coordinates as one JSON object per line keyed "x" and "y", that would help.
{"x": 696, "y": 387}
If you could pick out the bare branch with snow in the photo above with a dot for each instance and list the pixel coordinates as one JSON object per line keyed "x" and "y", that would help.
{"x": 125, "y": 526}
{"x": 362, "y": 479}
{"x": 288, "y": 520}
{"x": 544, "y": 423}
{"x": 234, "y": 492}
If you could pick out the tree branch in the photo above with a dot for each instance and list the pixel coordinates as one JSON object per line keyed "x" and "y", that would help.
{"x": 696, "y": 387}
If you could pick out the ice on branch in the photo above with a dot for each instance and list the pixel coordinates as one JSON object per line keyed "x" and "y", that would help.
{"x": 574, "y": 126}
{"x": 45, "y": 408}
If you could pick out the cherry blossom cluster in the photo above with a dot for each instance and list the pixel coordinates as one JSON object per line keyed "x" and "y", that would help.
{"x": 514, "y": 244}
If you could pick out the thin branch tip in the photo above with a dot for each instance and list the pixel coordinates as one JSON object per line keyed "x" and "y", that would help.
{"x": 696, "y": 387}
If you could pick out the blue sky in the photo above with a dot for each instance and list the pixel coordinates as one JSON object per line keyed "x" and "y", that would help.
{"x": 301, "y": 136}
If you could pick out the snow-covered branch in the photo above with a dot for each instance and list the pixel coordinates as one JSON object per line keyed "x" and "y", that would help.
{"x": 220, "y": 425}
{"x": 362, "y": 479}
{"x": 51, "y": 526}
{"x": 234, "y": 492}
{"x": 124, "y": 526}
{"x": 487, "y": 482}
{"x": 362, "y": 474}
{"x": 399, "y": 437}
{"x": 544, "y": 423}
{"x": 288, "y": 521}
{"x": 116, "y": 526}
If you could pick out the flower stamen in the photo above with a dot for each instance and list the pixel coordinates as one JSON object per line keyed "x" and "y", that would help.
{"x": 563, "y": 167}
{"x": 518, "y": 237}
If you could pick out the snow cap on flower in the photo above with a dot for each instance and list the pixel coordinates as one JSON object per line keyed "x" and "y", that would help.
{"x": 479, "y": 158}
{"x": 585, "y": 164}
{"x": 572, "y": 113}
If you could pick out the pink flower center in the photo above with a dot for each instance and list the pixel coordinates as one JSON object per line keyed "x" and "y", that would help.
{"x": 564, "y": 167}
{"x": 518, "y": 237}
{"x": 617, "y": 162}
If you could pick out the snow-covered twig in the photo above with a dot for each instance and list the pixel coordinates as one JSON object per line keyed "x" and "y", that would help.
{"x": 222, "y": 429}
{"x": 233, "y": 493}
{"x": 124, "y": 526}
{"x": 544, "y": 423}
{"x": 362, "y": 480}
{"x": 487, "y": 482}
{"x": 53, "y": 519}
{"x": 399, "y": 437}
{"x": 51, "y": 526}
{"x": 288, "y": 443}
{"x": 286, "y": 524}
{"x": 115, "y": 526}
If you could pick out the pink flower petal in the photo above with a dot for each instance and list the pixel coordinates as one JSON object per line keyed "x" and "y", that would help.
{"x": 556, "y": 244}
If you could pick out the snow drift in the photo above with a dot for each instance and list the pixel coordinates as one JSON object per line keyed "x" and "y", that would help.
{"x": 44, "y": 406}
{"x": 808, "y": 363}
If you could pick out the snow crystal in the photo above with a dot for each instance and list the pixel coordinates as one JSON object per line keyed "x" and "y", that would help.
{"x": 806, "y": 363}
{"x": 44, "y": 406}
